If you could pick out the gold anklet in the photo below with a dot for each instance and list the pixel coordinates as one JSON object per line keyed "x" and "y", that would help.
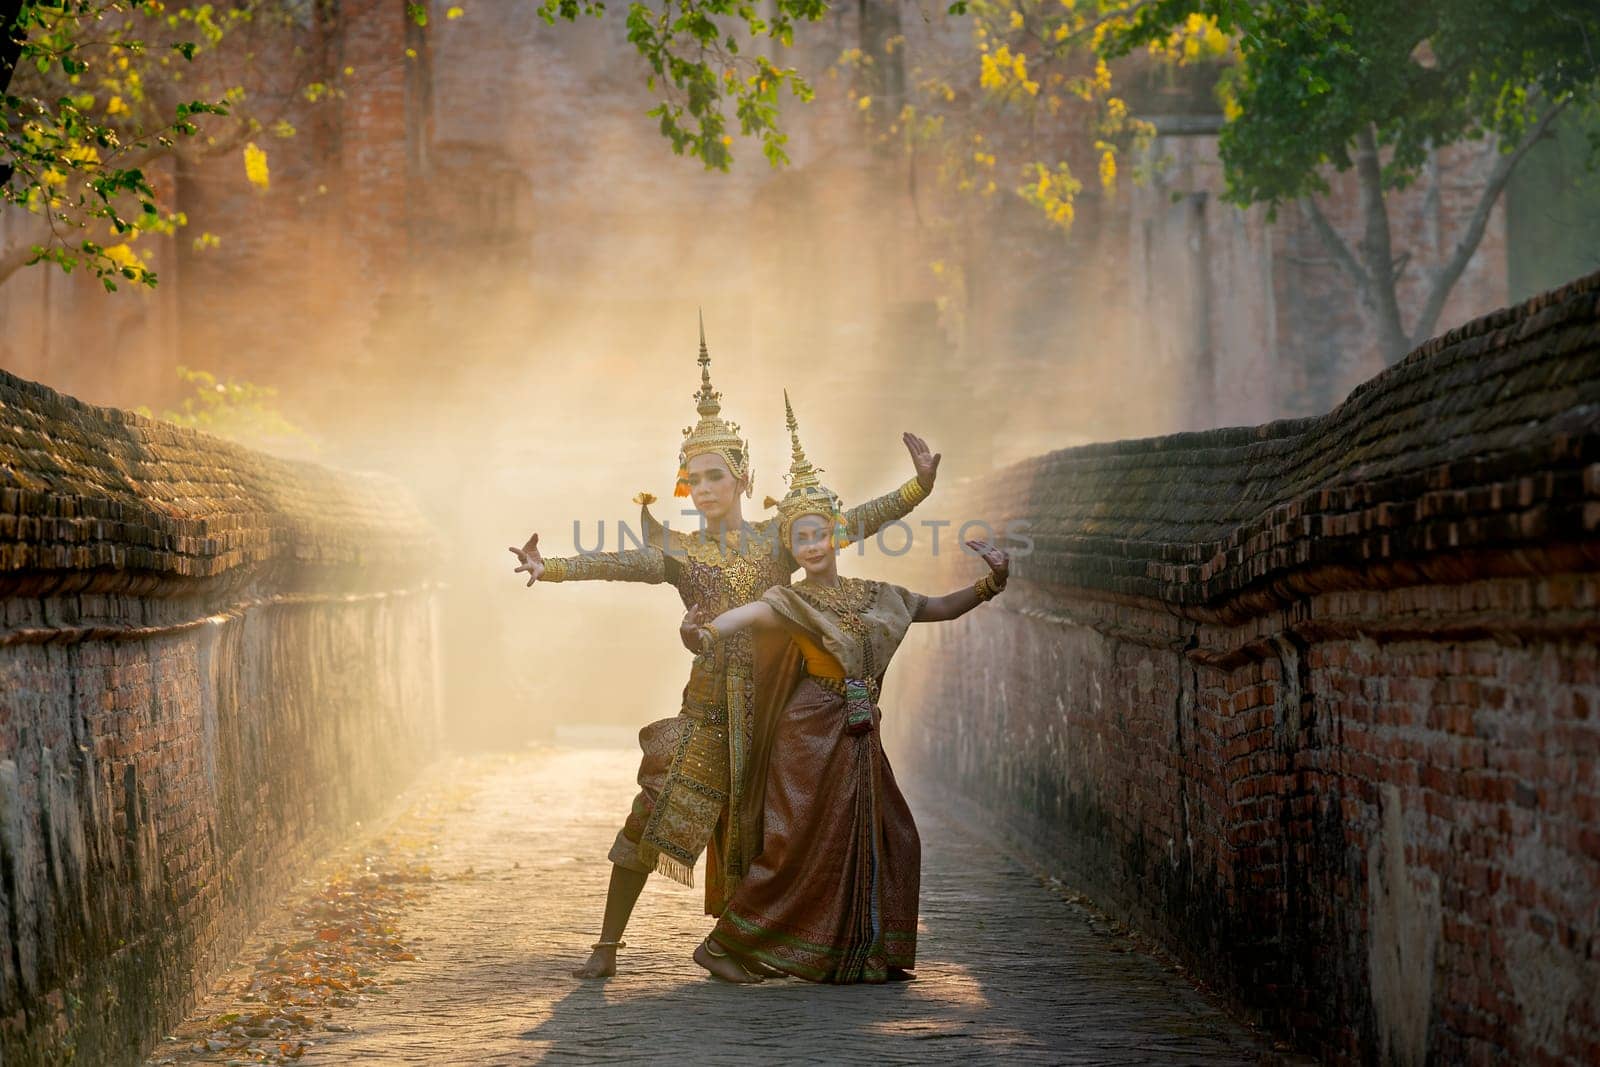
{"x": 712, "y": 950}
{"x": 609, "y": 944}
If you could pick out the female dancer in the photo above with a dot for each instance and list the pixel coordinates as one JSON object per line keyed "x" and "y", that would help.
{"x": 832, "y": 895}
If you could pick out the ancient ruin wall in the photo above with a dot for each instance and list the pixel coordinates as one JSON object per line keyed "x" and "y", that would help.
{"x": 1318, "y": 702}
{"x": 208, "y": 658}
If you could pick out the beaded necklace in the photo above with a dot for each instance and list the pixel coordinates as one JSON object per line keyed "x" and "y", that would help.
{"x": 847, "y": 602}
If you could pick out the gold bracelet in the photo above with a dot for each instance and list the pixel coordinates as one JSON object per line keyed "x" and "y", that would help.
{"x": 987, "y": 587}
{"x": 555, "y": 570}
{"x": 912, "y": 493}
{"x": 709, "y": 636}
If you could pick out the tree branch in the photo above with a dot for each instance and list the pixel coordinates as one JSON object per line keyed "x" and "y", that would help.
{"x": 1335, "y": 244}
{"x": 1445, "y": 278}
{"x": 17, "y": 257}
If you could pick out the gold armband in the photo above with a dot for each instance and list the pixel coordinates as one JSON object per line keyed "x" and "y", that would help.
{"x": 555, "y": 570}
{"x": 912, "y": 493}
{"x": 988, "y": 587}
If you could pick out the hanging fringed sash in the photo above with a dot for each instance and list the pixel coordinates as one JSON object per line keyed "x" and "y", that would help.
{"x": 858, "y": 707}
{"x": 694, "y": 794}
{"x": 863, "y": 957}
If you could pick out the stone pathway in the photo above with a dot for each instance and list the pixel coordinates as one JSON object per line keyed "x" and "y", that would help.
{"x": 1008, "y": 968}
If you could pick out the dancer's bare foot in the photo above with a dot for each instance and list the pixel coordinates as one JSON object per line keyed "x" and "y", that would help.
{"x": 602, "y": 963}
{"x": 721, "y": 965}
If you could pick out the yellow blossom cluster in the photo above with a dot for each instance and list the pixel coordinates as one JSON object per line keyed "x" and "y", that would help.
{"x": 1198, "y": 38}
{"x": 1005, "y": 72}
{"x": 255, "y": 166}
{"x": 125, "y": 258}
{"x": 1052, "y": 191}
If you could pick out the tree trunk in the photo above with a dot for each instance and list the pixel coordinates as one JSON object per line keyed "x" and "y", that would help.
{"x": 1377, "y": 252}
{"x": 10, "y": 49}
{"x": 10, "y": 41}
{"x": 886, "y": 77}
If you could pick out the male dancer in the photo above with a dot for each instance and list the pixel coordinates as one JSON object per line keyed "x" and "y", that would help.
{"x": 702, "y": 771}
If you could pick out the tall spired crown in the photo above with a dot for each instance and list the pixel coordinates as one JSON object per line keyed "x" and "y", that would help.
{"x": 713, "y": 433}
{"x": 807, "y": 495}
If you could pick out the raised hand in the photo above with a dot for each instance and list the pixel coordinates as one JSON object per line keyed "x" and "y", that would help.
{"x": 689, "y": 629}
{"x": 531, "y": 562}
{"x": 925, "y": 460}
{"x": 997, "y": 559}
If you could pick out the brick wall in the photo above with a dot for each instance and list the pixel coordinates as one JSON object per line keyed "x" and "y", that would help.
{"x": 1315, "y": 702}
{"x": 208, "y": 658}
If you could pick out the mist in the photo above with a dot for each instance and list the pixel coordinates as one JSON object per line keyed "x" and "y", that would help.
{"x": 482, "y": 272}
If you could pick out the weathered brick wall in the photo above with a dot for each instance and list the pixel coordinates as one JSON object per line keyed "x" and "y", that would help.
{"x": 208, "y": 658}
{"x": 1318, "y": 702}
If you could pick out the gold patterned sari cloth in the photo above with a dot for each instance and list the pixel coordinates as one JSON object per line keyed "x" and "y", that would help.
{"x": 702, "y": 773}
{"x": 832, "y": 896}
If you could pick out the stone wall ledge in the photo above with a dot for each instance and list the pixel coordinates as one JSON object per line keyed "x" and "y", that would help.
{"x": 1479, "y": 453}
{"x": 1315, "y": 702}
{"x": 209, "y": 659}
{"x": 98, "y": 500}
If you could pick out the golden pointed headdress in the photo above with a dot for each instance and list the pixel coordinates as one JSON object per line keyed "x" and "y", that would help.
{"x": 712, "y": 433}
{"x": 807, "y": 495}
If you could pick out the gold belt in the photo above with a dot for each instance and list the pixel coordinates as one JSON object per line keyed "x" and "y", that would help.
{"x": 836, "y": 685}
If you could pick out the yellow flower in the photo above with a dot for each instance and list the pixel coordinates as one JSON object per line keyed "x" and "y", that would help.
{"x": 454, "y": 13}
{"x": 255, "y": 166}
{"x": 1052, "y": 193}
{"x": 1016, "y": 19}
{"x": 115, "y": 106}
{"x": 991, "y": 68}
{"x": 1108, "y": 168}
{"x": 864, "y": 103}
{"x": 1231, "y": 109}
{"x": 125, "y": 257}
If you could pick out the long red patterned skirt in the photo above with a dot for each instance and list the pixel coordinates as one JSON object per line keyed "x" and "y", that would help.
{"x": 832, "y": 897}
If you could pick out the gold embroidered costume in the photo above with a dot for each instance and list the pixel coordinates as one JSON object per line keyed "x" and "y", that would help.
{"x": 832, "y": 896}
{"x": 701, "y": 774}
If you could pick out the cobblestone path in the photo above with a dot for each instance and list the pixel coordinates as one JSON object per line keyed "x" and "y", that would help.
{"x": 1008, "y": 969}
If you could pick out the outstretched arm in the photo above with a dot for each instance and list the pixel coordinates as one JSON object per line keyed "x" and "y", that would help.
{"x": 698, "y": 635}
{"x": 864, "y": 520}
{"x": 956, "y": 604}
{"x": 647, "y": 564}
